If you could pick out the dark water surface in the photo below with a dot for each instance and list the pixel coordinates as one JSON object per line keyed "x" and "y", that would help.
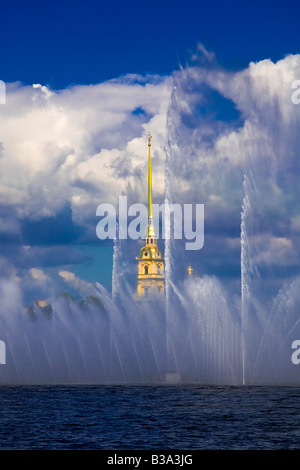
{"x": 149, "y": 417}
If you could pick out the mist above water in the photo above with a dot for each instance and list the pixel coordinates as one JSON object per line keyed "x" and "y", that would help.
{"x": 127, "y": 341}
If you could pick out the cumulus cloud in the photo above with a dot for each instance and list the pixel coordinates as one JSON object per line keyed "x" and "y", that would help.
{"x": 66, "y": 149}
{"x": 46, "y": 93}
{"x": 63, "y": 152}
{"x": 39, "y": 275}
{"x": 76, "y": 282}
{"x": 223, "y": 125}
{"x": 274, "y": 251}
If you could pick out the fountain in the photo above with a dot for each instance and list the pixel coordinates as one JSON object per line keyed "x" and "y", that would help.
{"x": 201, "y": 332}
{"x": 200, "y": 335}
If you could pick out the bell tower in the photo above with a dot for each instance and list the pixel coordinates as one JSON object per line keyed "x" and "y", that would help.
{"x": 150, "y": 280}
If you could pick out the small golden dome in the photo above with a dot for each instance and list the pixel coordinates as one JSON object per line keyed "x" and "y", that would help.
{"x": 190, "y": 270}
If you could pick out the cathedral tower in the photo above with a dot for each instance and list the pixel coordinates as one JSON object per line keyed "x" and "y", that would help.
{"x": 150, "y": 262}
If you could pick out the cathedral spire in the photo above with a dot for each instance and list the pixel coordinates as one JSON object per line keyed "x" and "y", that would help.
{"x": 150, "y": 213}
{"x": 150, "y": 262}
{"x": 150, "y": 228}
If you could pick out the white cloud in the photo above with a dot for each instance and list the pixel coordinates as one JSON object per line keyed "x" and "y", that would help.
{"x": 274, "y": 251}
{"x": 39, "y": 275}
{"x": 67, "y": 275}
{"x": 76, "y": 282}
{"x": 87, "y": 144}
{"x": 295, "y": 223}
{"x": 212, "y": 154}
{"x": 46, "y": 93}
{"x": 66, "y": 145}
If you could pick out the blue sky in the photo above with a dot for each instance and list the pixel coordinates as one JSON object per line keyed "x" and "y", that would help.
{"x": 62, "y": 43}
{"x": 87, "y": 80}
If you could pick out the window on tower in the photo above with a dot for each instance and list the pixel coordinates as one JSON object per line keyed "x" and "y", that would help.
{"x": 146, "y": 270}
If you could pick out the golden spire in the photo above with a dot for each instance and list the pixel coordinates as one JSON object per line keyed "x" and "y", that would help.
{"x": 150, "y": 262}
{"x": 150, "y": 230}
{"x": 150, "y": 213}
